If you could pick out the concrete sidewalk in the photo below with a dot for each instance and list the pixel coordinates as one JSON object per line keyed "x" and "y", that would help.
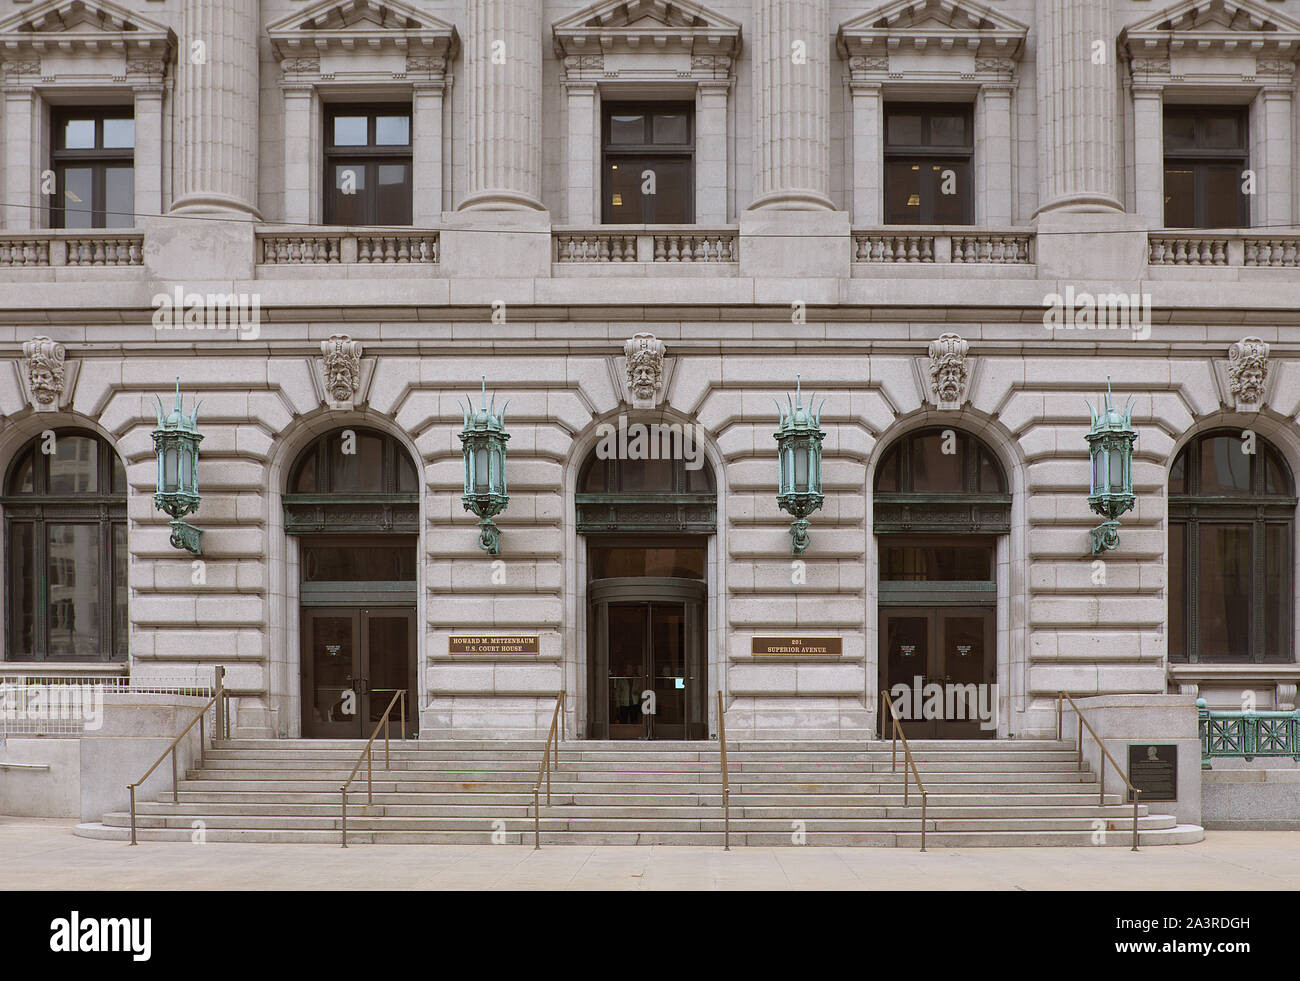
{"x": 43, "y": 854}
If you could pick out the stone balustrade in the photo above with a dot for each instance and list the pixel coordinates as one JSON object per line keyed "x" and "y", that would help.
{"x": 323, "y": 246}
{"x": 1223, "y": 248}
{"x": 943, "y": 245}
{"x": 620, "y": 243}
{"x": 79, "y": 248}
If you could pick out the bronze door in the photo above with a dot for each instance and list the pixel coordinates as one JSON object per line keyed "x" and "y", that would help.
{"x": 939, "y": 666}
{"x": 354, "y": 660}
{"x": 647, "y": 673}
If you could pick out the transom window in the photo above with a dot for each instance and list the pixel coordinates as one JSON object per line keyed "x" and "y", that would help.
{"x": 1231, "y": 528}
{"x": 615, "y": 476}
{"x": 354, "y": 461}
{"x": 928, "y": 154}
{"x": 368, "y": 165}
{"x": 1205, "y": 157}
{"x": 937, "y": 481}
{"x": 649, "y": 163}
{"x": 65, "y": 550}
{"x": 939, "y": 461}
{"x": 94, "y": 168}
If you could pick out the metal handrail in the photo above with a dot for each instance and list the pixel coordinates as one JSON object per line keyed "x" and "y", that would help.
{"x": 222, "y": 721}
{"x": 908, "y": 761}
{"x": 1061, "y": 698}
{"x": 23, "y": 766}
{"x": 549, "y": 763}
{"x": 368, "y": 755}
{"x": 726, "y": 782}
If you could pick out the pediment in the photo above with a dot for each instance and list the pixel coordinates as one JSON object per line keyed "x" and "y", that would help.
{"x": 1241, "y": 26}
{"x": 646, "y": 25}
{"x": 364, "y": 25}
{"x": 68, "y": 26}
{"x": 921, "y": 25}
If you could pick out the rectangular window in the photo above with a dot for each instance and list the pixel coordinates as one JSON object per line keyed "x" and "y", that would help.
{"x": 368, "y": 176}
{"x": 73, "y": 590}
{"x": 1205, "y": 157}
{"x": 928, "y": 164}
{"x": 648, "y": 164}
{"x": 94, "y": 168}
{"x": 1224, "y": 600}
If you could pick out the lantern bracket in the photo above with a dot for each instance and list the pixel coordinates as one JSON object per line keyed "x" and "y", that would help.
{"x": 186, "y": 536}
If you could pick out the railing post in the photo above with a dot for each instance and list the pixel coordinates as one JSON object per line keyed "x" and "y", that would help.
{"x": 176, "y": 797}
{"x": 131, "y": 787}
{"x": 388, "y": 763}
{"x": 537, "y": 822}
{"x": 344, "y": 792}
{"x": 924, "y": 795}
{"x": 1079, "y": 743}
{"x": 403, "y": 698}
{"x": 1136, "y": 795}
{"x": 1058, "y": 716}
{"x": 220, "y": 718}
{"x": 202, "y": 740}
{"x": 370, "y": 774}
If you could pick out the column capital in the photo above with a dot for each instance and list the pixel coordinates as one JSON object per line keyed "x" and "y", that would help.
{"x": 579, "y": 86}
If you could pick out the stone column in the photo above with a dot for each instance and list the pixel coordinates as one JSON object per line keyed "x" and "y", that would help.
{"x": 791, "y": 96}
{"x": 503, "y": 105}
{"x": 301, "y": 154}
{"x": 868, "y": 158}
{"x": 217, "y": 96}
{"x": 1149, "y": 153}
{"x": 583, "y": 178}
{"x": 1076, "y": 107}
{"x": 993, "y": 151}
{"x": 22, "y": 166}
{"x": 1274, "y": 108}
{"x": 711, "y": 152}
{"x": 148, "y": 148}
{"x": 426, "y": 149}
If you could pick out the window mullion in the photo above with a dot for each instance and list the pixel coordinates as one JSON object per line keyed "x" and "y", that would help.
{"x": 1193, "y": 579}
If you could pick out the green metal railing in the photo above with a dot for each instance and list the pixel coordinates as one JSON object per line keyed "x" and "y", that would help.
{"x": 1247, "y": 735}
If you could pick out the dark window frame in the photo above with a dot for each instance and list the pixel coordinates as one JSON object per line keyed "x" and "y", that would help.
{"x": 972, "y": 449}
{"x": 926, "y": 153}
{"x": 613, "y": 478}
{"x": 1199, "y": 159}
{"x": 369, "y": 157}
{"x": 646, "y": 152}
{"x": 99, "y": 159}
{"x": 392, "y": 453}
{"x": 1191, "y": 508}
{"x": 106, "y": 509}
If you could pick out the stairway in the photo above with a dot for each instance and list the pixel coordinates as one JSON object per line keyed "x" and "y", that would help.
{"x": 981, "y": 793}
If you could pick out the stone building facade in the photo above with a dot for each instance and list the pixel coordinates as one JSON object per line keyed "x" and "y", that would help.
{"x": 1061, "y": 128}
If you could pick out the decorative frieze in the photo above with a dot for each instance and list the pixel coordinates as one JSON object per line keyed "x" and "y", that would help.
{"x": 341, "y": 365}
{"x": 1248, "y": 373}
{"x": 644, "y": 368}
{"x": 46, "y": 374}
{"x": 949, "y": 372}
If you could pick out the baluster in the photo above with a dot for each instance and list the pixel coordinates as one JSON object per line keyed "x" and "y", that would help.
{"x": 927, "y": 249}
{"x": 1220, "y": 248}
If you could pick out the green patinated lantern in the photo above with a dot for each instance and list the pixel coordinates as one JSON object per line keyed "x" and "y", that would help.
{"x": 484, "y": 443}
{"x": 799, "y": 449}
{"x": 176, "y": 441}
{"x": 1110, "y": 448}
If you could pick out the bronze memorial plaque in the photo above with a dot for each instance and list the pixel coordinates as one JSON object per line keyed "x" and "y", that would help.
{"x": 495, "y": 644}
{"x": 1153, "y": 769}
{"x": 833, "y": 646}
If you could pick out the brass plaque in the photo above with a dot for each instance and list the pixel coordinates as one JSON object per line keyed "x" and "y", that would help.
{"x": 496, "y": 644}
{"x": 1153, "y": 769}
{"x": 833, "y": 646}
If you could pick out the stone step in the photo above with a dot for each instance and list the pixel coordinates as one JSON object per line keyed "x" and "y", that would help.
{"x": 483, "y": 767}
{"x": 568, "y": 752}
{"x": 704, "y": 798}
{"x": 554, "y": 822}
{"x": 662, "y": 808}
{"x": 1179, "y": 834}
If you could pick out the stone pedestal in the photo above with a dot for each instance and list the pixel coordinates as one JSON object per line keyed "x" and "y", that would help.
{"x": 795, "y": 244}
{"x": 1083, "y": 247}
{"x": 507, "y": 245}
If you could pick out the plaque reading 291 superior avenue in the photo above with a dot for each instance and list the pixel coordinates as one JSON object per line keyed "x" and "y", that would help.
{"x": 832, "y": 646}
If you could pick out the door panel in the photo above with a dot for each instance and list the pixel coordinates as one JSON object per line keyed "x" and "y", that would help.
{"x": 948, "y": 647}
{"x": 331, "y": 666}
{"x": 628, "y": 639}
{"x": 667, "y": 657}
{"x": 388, "y": 665}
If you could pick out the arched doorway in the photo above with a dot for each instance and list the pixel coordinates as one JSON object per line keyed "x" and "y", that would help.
{"x": 353, "y": 502}
{"x": 646, "y": 525}
{"x": 940, "y": 500}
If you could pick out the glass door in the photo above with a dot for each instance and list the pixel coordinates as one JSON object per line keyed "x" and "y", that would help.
{"x": 331, "y": 666}
{"x": 387, "y": 666}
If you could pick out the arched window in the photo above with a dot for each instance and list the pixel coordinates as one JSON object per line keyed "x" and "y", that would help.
{"x": 940, "y": 480}
{"x": 353, "y": 480}
{"x": 1231, "y": 527}
{"x": 65, "y": 550}
{"x": 665, "y": 486}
